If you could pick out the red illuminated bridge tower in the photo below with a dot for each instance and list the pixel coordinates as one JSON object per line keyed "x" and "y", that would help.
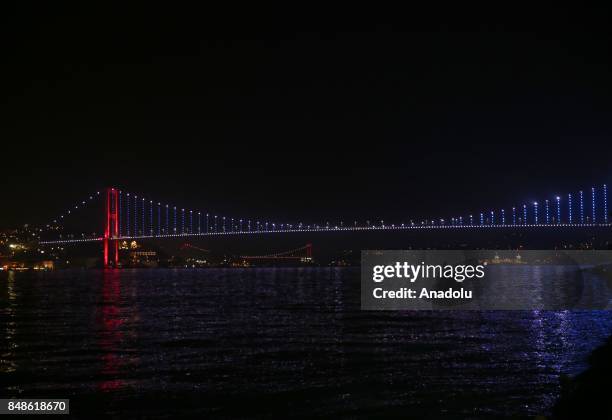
{"x": 111, "y": 229}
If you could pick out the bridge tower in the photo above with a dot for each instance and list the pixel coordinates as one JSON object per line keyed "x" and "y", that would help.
{"x": 111, "y": 229}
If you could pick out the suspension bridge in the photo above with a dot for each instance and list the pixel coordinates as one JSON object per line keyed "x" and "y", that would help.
{"x": 302, "y": 254}
{"x": 129, "y": 216}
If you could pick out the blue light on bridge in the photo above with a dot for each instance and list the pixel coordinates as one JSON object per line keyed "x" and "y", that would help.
{"x": 144, "y": 218}
{"x": 167, "y": 219}
{"x": 569, "y": 208}
{"x": 175, "y": 221}
{"x": 535, "y": 212}
{"x": 183, "y": 220}
{"x": 514, "y": 215}
{"x": 524, "y": 214}
{"x": 558, "y": 209}
{"x": 581, "y": 207}
{"x": 593, "y": 203}
{"x": 481, "y": 218}
{"x": 135, "y": 215}
{"x": 546, "y": 212}
{"x": 605, "y": 196}
{"x": 151, "y": 217}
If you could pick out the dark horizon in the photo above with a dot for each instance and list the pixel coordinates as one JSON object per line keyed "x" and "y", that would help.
{"x": 296, "y": 122}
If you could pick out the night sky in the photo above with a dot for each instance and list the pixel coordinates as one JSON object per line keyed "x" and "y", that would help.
{"x": 437, "y": 116}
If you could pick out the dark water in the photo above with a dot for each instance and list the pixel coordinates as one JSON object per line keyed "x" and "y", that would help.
{"x": 274, "y": 343}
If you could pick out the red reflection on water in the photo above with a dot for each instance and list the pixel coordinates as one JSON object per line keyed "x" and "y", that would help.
{"x": 111, "y": 335}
